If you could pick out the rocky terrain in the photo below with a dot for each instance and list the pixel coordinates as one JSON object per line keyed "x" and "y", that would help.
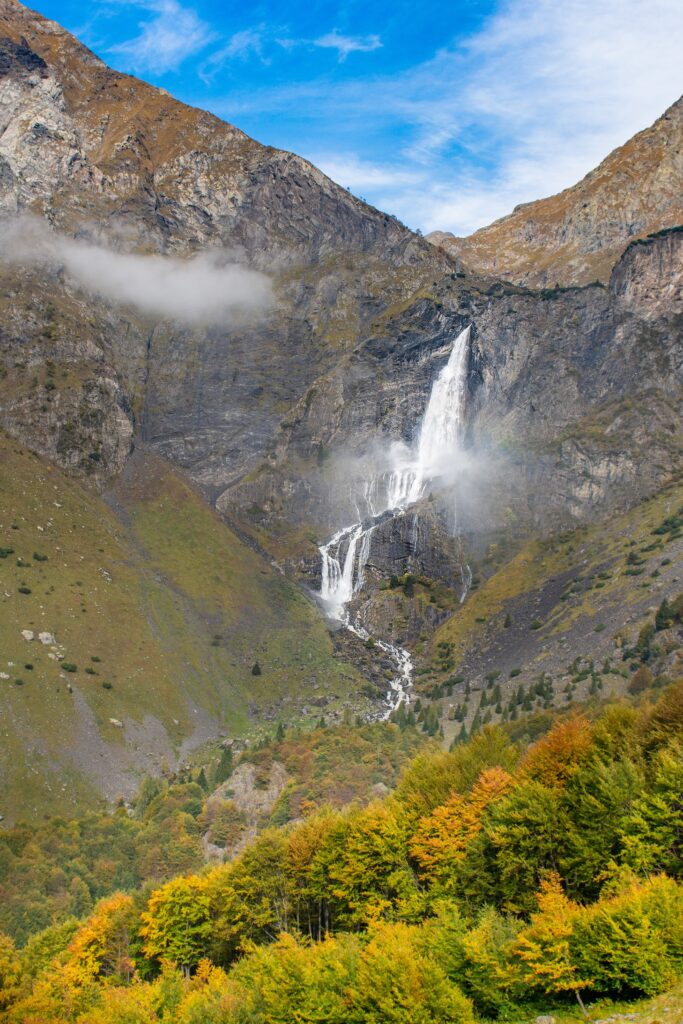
{"x": 152, "y": 416}
{"x": 577, "y": 236}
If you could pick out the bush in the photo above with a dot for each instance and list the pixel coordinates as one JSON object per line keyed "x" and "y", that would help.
{"x": 256, "y": 669}
{"x": 641, "y": 680}
{"x": 24, "y": 590}
{"x": 69, "y": 666}
{"x": 536, "y": 624}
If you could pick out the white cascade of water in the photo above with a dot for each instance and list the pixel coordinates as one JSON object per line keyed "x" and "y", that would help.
{"x": 392, "y": 491}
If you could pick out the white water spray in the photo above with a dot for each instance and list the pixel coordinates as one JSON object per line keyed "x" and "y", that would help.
{"x": 390, "y": 493}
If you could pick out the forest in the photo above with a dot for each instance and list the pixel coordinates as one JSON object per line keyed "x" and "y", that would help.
{"x": 496, "y": 880}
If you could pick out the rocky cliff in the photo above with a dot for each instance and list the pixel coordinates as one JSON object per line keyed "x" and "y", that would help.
{"x": 578, "y": 235}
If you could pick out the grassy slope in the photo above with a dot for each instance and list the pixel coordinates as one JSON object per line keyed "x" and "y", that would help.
{"x": 664, "y": 1009}
{"x": 172, "y": 604}
{"x": 580, "y": 589}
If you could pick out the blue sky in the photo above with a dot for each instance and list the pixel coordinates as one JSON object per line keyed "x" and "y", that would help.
{"x": 444, "y": 114}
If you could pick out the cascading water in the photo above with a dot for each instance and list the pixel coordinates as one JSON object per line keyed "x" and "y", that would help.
{"x": 390, "y": 493}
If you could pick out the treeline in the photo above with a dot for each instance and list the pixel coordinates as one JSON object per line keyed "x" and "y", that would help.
{"x": 493, "y": 879}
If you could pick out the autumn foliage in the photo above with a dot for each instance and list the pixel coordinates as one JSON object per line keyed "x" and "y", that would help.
{"x": 493, "y": 878}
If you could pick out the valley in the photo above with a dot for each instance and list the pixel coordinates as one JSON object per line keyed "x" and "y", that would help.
{"x": 341, "y": 579}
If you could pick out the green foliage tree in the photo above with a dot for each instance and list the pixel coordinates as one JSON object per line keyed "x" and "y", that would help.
{"x": 225, "y": 765}
{"x": 176, "y": 925}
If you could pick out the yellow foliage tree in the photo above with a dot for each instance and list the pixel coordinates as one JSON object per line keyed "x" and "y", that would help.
{"x": 443, "y": 836}
{"x": 542, "y": 949}
{"x": 10, "y": 972}
{"x": 176, "y": 925}
{"x": 558, "y": 755}
{"x": 101, "y": 946}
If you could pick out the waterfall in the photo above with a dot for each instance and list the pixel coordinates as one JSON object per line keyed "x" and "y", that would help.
{"x": 390, "y": 493}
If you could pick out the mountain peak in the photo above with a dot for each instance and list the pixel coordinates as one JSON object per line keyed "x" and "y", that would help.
{"x": 578, "y": 235}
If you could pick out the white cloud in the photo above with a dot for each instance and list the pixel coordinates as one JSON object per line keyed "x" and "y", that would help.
{"x": 344, "y": 45}
{"x": 173, "y": 34}
{"x": 240, "y": 46}
{"x": 533, "y": 102}
{"x": 202, "y": 289}
{"x": 357, "y": 174}
{"x": 522, "y": 109}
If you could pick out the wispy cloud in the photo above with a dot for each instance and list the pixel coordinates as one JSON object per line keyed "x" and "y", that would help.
{"x": 241, "y": 46}
{"x": 344, "y": 45}
{"x": 171, "y": 35}
{"x": 357, "y": 174}
{"x": 522, "y": 109}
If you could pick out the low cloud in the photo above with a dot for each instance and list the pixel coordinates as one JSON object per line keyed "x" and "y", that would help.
{"x": 204, "y": 288}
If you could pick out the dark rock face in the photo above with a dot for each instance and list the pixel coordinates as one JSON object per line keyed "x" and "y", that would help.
{"x": 115, "y": 162}
{"x": 18, "y": 58}
{"x": 574, "y": 400}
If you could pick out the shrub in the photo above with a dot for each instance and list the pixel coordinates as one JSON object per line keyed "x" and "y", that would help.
{"x": 536, "y": 624}
{"x": 39, "y": 558}
{"x": 69, "y": 666}
{"x": 641, "y": 680}
{"x": 24, "y": 590}
{"x": 256, "y": 669}
{"x": 106, "y": 685}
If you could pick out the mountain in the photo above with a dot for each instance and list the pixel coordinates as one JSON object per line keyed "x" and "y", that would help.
{"x": 183, "y": 450}
{"x": 577, "y": 236}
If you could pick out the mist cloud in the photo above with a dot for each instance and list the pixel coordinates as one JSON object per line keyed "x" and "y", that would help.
{"x": 203, "y": 288}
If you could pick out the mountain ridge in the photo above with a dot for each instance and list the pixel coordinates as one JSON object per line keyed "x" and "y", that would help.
{"x": 577, "y": 235}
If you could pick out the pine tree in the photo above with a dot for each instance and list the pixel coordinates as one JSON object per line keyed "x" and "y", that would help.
{"x": 664, "y": 618}
{"x": 224, "y": 769}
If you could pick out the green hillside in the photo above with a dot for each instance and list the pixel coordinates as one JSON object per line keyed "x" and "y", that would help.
{"x": 153, "y": 615}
